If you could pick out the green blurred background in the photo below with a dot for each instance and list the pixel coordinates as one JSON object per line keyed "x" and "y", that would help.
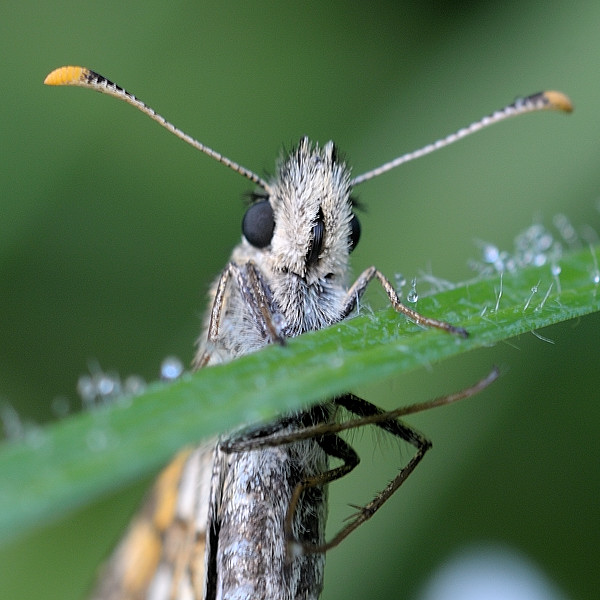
{"x": 111, "y": 230}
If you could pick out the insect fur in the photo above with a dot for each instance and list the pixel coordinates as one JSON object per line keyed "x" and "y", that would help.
{"x": 244, "y": 516}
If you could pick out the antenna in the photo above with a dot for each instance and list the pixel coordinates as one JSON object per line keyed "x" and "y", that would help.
{"x": 541, "y": 101}
{"x": 82, "y": 77}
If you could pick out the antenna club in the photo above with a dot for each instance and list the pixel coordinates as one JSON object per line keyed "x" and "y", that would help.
{"x": 67, "y": 76}
{"x": 558, "y": 101}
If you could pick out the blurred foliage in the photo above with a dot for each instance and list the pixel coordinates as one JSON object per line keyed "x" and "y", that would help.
{"x": 112, "y": 230}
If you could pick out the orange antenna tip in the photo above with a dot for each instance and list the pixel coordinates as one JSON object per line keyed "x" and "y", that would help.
{"x": 558, "y": 101}
{"x": 66, "y": 76}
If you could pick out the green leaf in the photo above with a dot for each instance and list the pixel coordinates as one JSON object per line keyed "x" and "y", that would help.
{"x": 70, "y": 463}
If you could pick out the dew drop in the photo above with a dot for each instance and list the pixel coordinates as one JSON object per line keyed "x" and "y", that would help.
{"x": 545, "y": 241}
{"x": 412, "y": 295}
{"x": 510, "y": 264}
{"x": 107, "y": 386}
{"x": 566, "y": 230}
{"x": 526, "y": 257}
{"x": 534, "y": 291}
{"x": 491, "y": 254}
{"x": 171, "y": 368}
{"x": 499, "y": 266}
{"x": 134, "y": 385}
{"x": 86, "y": 390}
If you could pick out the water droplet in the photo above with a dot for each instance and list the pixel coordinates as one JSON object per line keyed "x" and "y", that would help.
{"x": 499, "y": 266}
{"x": 555, "y": 270}
{"x": 534, "y": 291}
{"x": 566, "y": 230}
{"x": 107, "y": 385}
{"x": 171, "y": 368}
{"x": 412, "y": 295}
{"x": 491, "y": 253}
{"x": 86, "y": 390}
{"x": 134, "y": 385}
{"x": 545, "y": 241}
{"x": 510, "y": 264}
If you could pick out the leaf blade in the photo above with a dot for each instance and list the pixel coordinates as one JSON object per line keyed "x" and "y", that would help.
{"x": 70, "y": 463}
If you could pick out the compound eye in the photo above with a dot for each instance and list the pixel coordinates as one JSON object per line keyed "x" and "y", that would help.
{"x": 354, "y": 232}
{"x": 258, "y": 224}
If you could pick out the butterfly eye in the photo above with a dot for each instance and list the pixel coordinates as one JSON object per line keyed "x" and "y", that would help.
{"x": 258, "y": 224}
{"x": 354, "y": 232}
